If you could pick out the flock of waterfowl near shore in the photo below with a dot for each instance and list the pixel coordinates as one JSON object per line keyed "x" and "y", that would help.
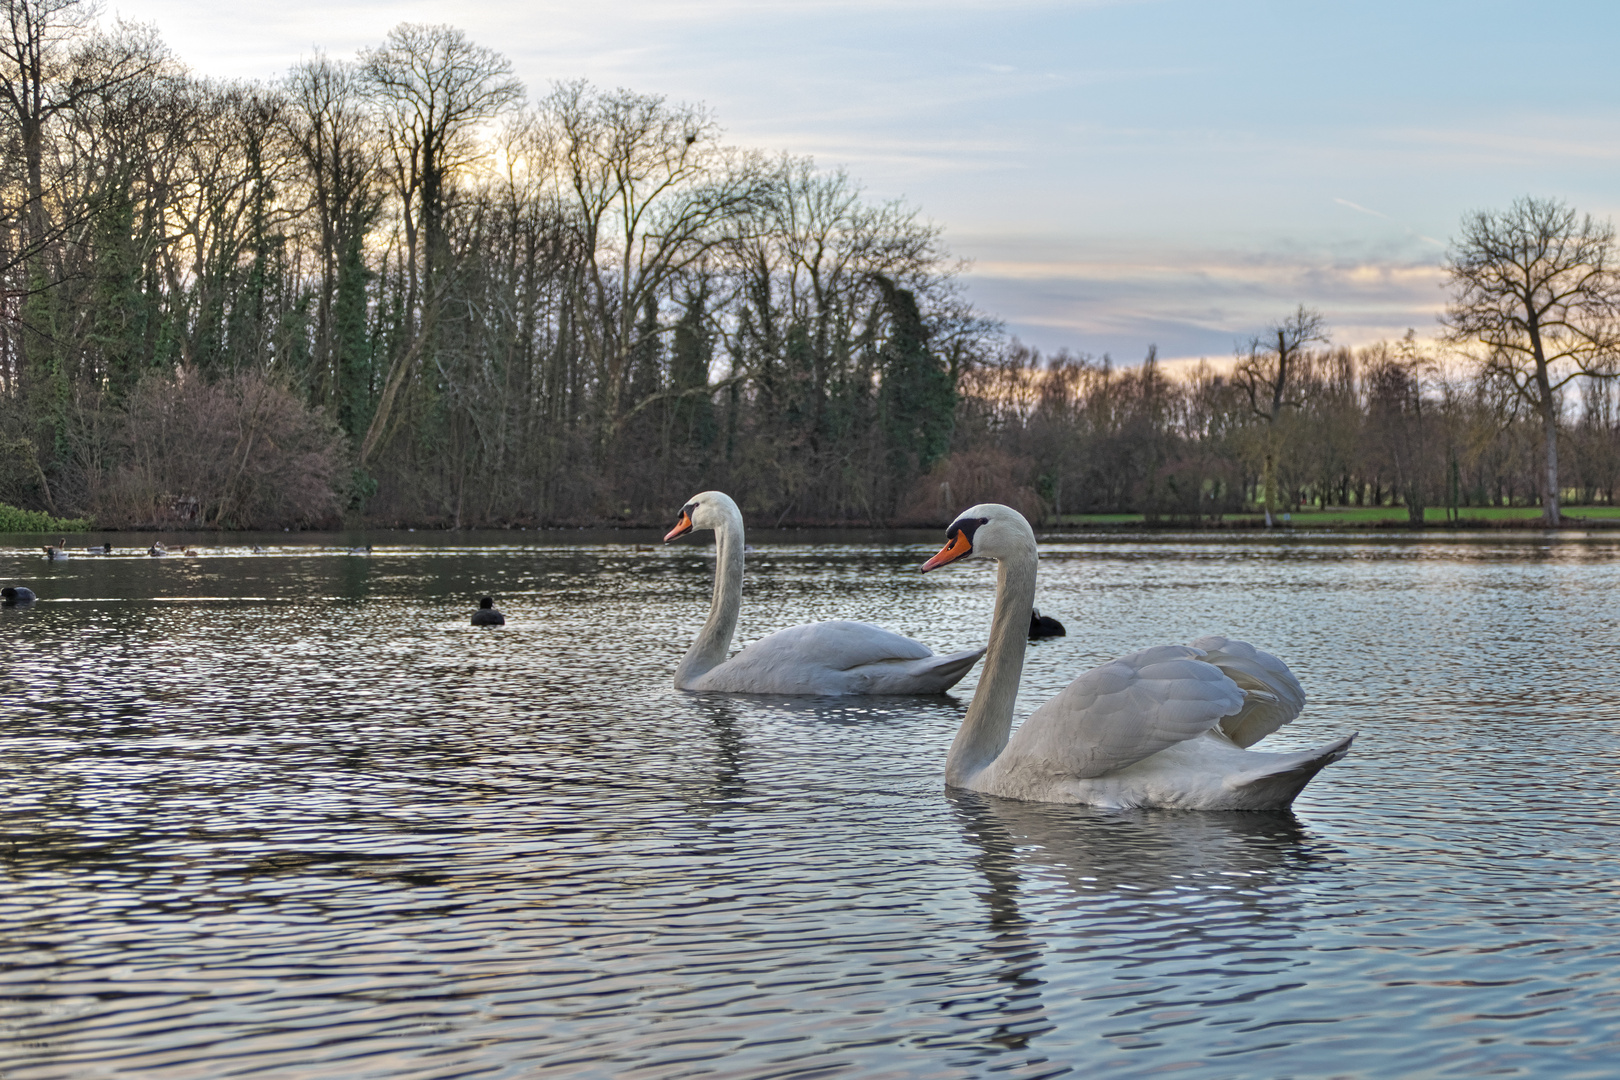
{"x": 1169, "y": 726}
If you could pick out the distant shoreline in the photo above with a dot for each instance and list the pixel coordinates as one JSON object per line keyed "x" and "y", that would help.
{"x": 1352, "y": 520}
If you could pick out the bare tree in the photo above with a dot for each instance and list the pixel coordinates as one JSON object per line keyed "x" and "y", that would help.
{"x": 1397, "y": 429}
{"x": 1270, "y": 378}
{"x": 332, "y": 129}
{"x": 652, "y": 191}
{"x": 434, "y": 88}
{"x": 815, "y": 271}
{"x": 51, "y": 61}
{"x": 1534, "y": 288}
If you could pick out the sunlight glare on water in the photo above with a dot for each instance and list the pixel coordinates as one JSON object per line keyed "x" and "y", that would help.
{"x": 290, "y": 815}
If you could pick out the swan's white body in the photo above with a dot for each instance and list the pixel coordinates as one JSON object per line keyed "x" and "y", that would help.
{"x": 836, "y": 657}
{"x": 1166, "y": 727}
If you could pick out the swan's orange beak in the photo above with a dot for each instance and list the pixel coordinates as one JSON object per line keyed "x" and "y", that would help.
{"x": 959, "y": 547}
{"x": 682, "y": 527}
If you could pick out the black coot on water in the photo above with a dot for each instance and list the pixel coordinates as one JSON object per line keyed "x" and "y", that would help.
{"x": 486, "y": 615}
{"x": 1044, "y": 625}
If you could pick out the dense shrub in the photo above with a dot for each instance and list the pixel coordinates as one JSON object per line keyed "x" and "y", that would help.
{"x": 241, "y": 452}
{"x": 967, "y": 478}
{"x": 13, "y": 520}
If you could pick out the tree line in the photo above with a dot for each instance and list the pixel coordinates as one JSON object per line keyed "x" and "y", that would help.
{"x": 395, "y": 289}
{"x": 1515, "y": 404}
{"x": 1287, "y": 427}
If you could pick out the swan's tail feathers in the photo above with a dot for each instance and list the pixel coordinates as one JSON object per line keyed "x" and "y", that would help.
{"x": 930, "y": 675}
{"x": 1275, "y": 785}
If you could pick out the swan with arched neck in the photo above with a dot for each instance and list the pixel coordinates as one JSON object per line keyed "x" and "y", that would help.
{"x": 1168, "y": 726}
{"x": 835, "y": 657}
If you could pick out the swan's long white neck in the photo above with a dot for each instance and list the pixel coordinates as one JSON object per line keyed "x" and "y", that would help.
{"x": 713, "y": 641}
{"x": 984, "y": 731}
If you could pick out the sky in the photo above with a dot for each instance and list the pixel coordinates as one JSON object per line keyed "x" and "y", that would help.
{"x": 1175, "y": 173}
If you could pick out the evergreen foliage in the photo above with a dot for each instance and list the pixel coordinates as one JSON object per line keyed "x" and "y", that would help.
{"x": 392, "y": 289}
{"x": 14, "y": 520}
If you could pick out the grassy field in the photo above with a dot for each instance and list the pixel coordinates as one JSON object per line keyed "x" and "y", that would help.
{"x": 1377, "y": 517}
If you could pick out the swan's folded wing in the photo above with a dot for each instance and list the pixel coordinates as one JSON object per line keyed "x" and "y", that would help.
{"x": 838, "y": 644}
{"x": 1125, "y": 710}
{"x": 1278, "y": 697}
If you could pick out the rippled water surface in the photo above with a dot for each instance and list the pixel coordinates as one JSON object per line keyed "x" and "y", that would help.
{"x": 289, "y": 815}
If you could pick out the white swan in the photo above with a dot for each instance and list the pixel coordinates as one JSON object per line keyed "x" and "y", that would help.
{"x": 1165, "y": 727}
{"x": 836, "y": 657}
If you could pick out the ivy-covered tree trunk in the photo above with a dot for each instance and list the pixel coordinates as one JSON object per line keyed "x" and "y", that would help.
{"x": 917, "y": 399}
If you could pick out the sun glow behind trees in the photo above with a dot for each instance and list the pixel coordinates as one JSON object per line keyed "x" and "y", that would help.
{"x": 514, "y": 312}
{"x": 579, "y": 307}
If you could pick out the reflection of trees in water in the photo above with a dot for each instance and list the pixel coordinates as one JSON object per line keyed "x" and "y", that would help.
{"x": 1125, "y": 887}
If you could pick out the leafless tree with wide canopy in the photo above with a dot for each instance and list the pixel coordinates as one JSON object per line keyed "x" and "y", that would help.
{"x": 1535, "y": 290}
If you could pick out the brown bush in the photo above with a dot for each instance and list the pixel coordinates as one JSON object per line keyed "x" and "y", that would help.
{"x": 967, "y": 478}
{"x": 241, "y": 452}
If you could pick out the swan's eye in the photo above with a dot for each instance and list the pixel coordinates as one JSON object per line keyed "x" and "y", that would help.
{"x": 966, "y": 527}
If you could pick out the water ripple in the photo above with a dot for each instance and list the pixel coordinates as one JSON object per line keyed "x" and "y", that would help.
{"x": 288, "y": 815}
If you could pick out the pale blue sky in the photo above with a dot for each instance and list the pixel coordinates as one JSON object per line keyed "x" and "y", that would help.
{"x": 1119, "y": 174}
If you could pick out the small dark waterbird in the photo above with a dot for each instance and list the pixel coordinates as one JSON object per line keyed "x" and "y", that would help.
{"x": 14, "y": 595}
{"x": 486, "y": 615}
{"x": 1043, "y": 626}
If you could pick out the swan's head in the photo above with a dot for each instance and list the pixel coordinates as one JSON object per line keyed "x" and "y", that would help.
{"x": 989, "y": 530}
{"x": 708, "y": 510}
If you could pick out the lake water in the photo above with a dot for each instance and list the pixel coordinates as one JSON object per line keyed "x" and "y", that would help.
{"x": 289, "y": 815}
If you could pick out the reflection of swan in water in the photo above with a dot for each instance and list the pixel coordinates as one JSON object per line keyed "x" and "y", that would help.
{"x": 725, "y": 785}
{"x": 835, "y": 657}
{"x": 1167, "y": 726}
{"x": 1135, "y": 852}
{"x": 1128, "y": 891}
{"x": 842, "y": 732}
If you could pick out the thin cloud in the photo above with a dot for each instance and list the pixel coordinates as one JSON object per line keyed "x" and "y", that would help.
{"x": 1361, "y": 209}
{"x": 1195, "y": 304}
{"x": 1385, "y": 217}
{"x": 1521, "y": 146}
